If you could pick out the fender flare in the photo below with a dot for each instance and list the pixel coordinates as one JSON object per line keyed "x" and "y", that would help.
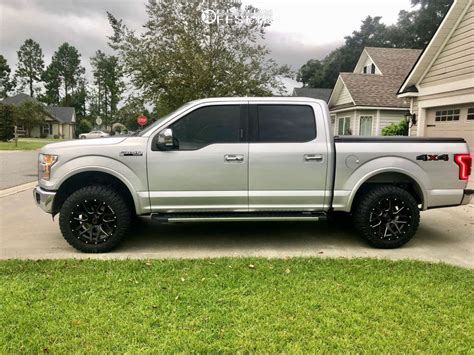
{"x": 376, "y": 172}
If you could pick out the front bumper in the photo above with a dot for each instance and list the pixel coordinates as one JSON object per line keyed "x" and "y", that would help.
{"x": 44, "y": 199}
{"x": 467, "y": 196}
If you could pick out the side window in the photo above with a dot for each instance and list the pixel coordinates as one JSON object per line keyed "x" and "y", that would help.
{"x": 285, "y": 123}
{"x": 208, "y": 125}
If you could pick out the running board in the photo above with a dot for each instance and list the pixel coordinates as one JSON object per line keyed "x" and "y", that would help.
{"x": 238, "y": 216}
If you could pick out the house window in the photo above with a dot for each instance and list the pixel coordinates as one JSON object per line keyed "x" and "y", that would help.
{"x": 365, "y": 128}
{"x": 447, "y": 115}
{"x": 47, "y": 128}
{"x": 470, "y": 113}
{"x": 369, "y": 69}
{"x": 344, "y": 126}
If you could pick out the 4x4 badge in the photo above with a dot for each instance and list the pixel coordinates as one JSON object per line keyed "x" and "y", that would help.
{"x": 433, "y": 157}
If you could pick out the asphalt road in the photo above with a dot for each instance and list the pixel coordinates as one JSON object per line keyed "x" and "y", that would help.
{"x": 445, "y": 235}
{"x": 17, "y": 168}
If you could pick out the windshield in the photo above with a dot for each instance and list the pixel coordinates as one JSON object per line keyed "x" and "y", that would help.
{"x": 161, "y": 119}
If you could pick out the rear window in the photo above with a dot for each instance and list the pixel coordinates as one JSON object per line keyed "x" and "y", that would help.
{"x": 285, "y": 123}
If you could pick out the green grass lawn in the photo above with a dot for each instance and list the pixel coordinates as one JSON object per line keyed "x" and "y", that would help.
{"x": 27, "y": 144}
{"x": 245, "y": 305}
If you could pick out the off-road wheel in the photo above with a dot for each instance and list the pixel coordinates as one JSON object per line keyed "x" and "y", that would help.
{"x": 386, "y": 216}
{"x": 94, "y": 219}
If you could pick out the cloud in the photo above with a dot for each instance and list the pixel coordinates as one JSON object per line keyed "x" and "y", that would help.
{"x": 287, "y": 48}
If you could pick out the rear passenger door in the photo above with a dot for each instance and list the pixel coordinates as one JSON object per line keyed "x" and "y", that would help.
{"x": 288, "y": 160}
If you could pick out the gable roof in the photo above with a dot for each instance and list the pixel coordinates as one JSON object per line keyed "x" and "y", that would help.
{"x": 315, "y": 93}
{"x": 393, "y": 61}
{"x": 60, "y": 114}
{"x": 377, "y": 90}
{"x": 18, "y": 99}
{"x": 431, "y": 51}
{"x": 373, "y": 90}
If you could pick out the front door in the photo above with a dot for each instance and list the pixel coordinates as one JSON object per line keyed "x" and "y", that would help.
{"x": 288, "y": 158}
{"x": 207, "y": 170}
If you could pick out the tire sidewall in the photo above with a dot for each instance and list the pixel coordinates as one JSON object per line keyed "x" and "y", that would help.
{"x": 110, "y": 197}
{"x": 370, "y": 200}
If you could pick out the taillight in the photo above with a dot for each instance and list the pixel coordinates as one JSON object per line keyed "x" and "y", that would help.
{"x": 464, "y": 161}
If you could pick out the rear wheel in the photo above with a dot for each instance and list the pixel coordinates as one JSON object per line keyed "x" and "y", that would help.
{"x": 386, "y": 216}
{"x": 94, "y": 219}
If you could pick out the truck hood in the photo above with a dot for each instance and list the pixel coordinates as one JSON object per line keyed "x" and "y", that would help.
{"x": 83, "y": 143}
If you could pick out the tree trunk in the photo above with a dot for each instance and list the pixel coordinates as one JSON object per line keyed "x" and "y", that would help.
{"x": 31, "y": 88}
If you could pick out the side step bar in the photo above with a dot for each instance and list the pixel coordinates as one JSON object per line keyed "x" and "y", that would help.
{"x": 238, "y": 216}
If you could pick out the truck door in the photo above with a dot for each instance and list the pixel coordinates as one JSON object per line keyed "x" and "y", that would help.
{"x": 288, "y": 158}
{"x": 207, "y": 169}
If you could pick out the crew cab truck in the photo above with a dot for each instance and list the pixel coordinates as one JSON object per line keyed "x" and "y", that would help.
{"x": 248, "y": 159}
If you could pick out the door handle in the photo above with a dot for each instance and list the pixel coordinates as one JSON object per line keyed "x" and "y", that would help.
{"x": 311, "y": 157}
{"x": 233, "y": 157}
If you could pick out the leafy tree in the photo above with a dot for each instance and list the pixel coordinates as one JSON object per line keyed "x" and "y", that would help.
{"x": 6, "y": 84}
{"x": 396, "y": 129}
{"x": 310, "y": 73}
{"x": 30, "y": 114}
{"x": 7, "y": 121}
{"x": 109, "y": 85}
{"x": 84, "y": 126}
{"x": 413, "y": 29}
{"x": 179, "y": 57}
{"x": 30, "y": 65}
{"x": 52, "y": 84}
{"x": 129, "y": 113}
{"x": 78, "y": 98}
{"x": 66, "y": 64}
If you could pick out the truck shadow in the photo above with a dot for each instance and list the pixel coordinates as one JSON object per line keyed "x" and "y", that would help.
{"x": 151, "y": 236}
{"x": 252, "y": 238}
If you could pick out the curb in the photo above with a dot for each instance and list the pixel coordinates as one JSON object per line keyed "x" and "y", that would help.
{"x": 16, "y": 189}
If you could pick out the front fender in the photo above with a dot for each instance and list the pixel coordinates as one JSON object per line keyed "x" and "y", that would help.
{"x": 118, "y": 169}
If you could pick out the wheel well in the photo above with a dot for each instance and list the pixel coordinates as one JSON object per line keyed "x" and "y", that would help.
{"x": 390, "y": 178}
{"x": 89, "y": 178}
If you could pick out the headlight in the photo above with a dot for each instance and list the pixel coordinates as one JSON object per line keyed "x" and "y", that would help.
{"x": 46, "y": 161}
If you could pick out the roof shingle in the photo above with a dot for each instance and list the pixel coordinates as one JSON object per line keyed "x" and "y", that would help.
{"x": 380, "y": 90}
{"x": 315, "y": 93}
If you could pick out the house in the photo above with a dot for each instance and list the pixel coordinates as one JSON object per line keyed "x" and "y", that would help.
{"x": 314, "y": 93}
{"x": 440, "y": 87}
{"x": 59, "y": 122}
{"x": 365, "y": 101}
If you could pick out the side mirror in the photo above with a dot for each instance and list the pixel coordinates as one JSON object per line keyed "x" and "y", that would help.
{"x": 165, "y": 139}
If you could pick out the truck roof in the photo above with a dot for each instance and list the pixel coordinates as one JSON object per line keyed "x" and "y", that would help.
{"x": 259, "y": 99}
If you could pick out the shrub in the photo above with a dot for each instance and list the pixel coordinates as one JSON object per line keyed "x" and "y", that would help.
{"x": 7, "y": 122}
{"x": 84, "y": 126}
{"x": 118, "y": 128}
{"x": 396, "y": 129}
{"x": 56, "y": 136}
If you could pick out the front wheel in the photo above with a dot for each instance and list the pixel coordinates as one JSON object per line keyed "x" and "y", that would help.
{"x": 386, "y": 216}
{"x": 94, "y": 219}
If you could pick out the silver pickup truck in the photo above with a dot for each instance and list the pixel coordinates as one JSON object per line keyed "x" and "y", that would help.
{"x": 248, "y": 159}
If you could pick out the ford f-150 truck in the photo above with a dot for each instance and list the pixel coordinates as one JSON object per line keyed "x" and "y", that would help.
{"x": 248, "y": 159}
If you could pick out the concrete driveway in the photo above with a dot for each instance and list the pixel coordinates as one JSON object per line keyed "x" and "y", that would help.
{"x": 18, "y": 167}
{"x": 445, "y": 235}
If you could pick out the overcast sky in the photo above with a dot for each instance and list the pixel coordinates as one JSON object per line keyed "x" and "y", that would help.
{"x": 301, "y": 29}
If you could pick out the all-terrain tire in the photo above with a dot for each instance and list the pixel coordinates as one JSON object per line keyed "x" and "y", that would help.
{"x": 386, "y": 216}
{"x": 94, "y": 219}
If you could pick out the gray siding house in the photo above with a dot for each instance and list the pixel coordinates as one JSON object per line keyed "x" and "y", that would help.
{"x": 59, "y": 122}
{"x": 440, "y": 87}
{"x": 365, "y": 101}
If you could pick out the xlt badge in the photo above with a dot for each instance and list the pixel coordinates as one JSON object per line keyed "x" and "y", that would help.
{"x": 135, "y": 153}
